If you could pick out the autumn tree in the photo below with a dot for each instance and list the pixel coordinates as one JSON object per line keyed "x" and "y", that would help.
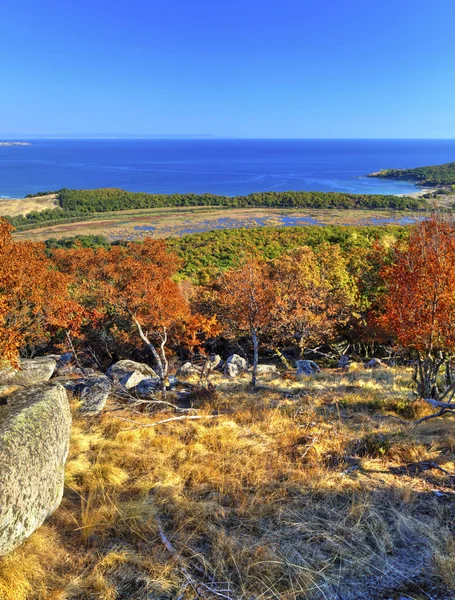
{"x": 419, "y": 305}
{"x": 245, "y": 300}
{"x": 311, "y": 296}
{"x": 133, "y": 284}
{"x": 34, "y": 297}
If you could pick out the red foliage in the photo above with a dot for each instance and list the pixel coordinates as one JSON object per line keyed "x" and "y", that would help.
{"x": 420, "y": 302}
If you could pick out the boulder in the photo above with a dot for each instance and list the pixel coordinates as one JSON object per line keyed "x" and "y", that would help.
{"x": 306, "y": 367}
{"x": 31, "y": 371}
{"x": 147, "y": 387}
{"x": 92, "y": 391}
{"x": 235, "y": 364}
{"x": 129, "y": 373}
{"x": 35, "y": 427}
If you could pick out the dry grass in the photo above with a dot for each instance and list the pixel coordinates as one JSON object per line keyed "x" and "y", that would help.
{"x": 301, "y": 490}
{"x": 21, "y": 206}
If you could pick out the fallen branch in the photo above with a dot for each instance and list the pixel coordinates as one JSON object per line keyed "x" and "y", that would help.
{"x": 180, "y": 418}
{"x": 440, "y": 413}
{"x": 439, "y": 404}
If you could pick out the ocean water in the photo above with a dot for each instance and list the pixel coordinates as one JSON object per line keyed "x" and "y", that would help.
{"x": 218, "y": 166}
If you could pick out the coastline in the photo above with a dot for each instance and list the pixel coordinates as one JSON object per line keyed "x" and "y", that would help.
{"x": 419, "y": 194}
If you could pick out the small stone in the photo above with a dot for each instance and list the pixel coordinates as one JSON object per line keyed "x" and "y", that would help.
{"x": 264, "y": 369}
{"x": 344, "y": 362}
{"x": 306, "y": 367}
{"x": 239, "y": 365}
{"x": 375, "y": 363}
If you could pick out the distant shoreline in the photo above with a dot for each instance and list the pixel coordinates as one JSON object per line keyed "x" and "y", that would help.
{"x": 15, "y": 144}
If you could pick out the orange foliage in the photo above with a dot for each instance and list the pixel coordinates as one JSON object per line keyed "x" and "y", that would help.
{"x": 132, "y": 284}
{"x": 34, "y": 298}
{"x": 246, "y": 299}
{"x": 420, "y": 302}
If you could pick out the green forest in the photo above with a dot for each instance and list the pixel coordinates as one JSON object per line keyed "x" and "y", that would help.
{"x": 206, "y": 254}
{"x": 432, "y": 175}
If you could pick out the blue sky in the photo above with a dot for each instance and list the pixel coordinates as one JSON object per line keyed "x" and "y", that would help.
{"x": 244, "y": 68}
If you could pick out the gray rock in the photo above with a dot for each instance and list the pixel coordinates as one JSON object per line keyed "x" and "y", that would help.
{"x": 231, "y": 370}
{"x": 240, "y": 365}
{"x": 306, "y": 367}
{"x": 215, "y": 361}
{"x": 344, "y": 362}
{"x": 92, "y": 391}
{"x": 35, "y": 427}
{"x": 129, "y": 373}
{"x": 31, "y": 371}
{"x": 264, "y": 369}
{"x": 188, "y": 369}
{"x": 147, "y": 387}
{"x": 65, "y": 359}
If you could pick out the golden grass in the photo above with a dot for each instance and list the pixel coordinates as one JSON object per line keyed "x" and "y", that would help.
{"x": 301, "y": 490}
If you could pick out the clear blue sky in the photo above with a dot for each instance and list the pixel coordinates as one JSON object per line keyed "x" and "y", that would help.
{"x": 244, "y": 68}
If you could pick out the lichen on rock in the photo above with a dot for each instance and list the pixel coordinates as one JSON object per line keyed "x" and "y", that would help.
{"x": 35, "y": 427}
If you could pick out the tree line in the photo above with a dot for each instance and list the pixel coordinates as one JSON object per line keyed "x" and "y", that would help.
{"x": 83, "y": 204}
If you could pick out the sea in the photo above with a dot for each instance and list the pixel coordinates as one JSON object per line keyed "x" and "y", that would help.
{"x": 218, "y": 166}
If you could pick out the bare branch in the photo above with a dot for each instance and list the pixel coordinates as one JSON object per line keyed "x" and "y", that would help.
{"x": 180, "y": 418}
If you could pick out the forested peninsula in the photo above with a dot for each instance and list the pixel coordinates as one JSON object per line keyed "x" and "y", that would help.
{"x": 425, "y": 176}
{"x": 84, "y": 204}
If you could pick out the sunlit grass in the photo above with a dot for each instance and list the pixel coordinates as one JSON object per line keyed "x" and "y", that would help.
{"x": 293, "y": 491}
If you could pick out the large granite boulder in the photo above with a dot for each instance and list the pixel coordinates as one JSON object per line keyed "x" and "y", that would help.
{"x": 35, "y": 427}
{"x": 306, "y": 367}
{"x": 31, "y": 371}
{"x": 93, "y": 392}
{"x": 129, "y": 373}
{"x": 235, "y": 365}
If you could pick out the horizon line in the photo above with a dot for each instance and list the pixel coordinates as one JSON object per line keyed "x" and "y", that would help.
{"x": 204, "y": 136}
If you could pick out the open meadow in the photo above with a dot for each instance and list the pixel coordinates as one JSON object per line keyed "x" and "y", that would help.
{"x": 176, "y": 222}
{"x": 303, "y": 489}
